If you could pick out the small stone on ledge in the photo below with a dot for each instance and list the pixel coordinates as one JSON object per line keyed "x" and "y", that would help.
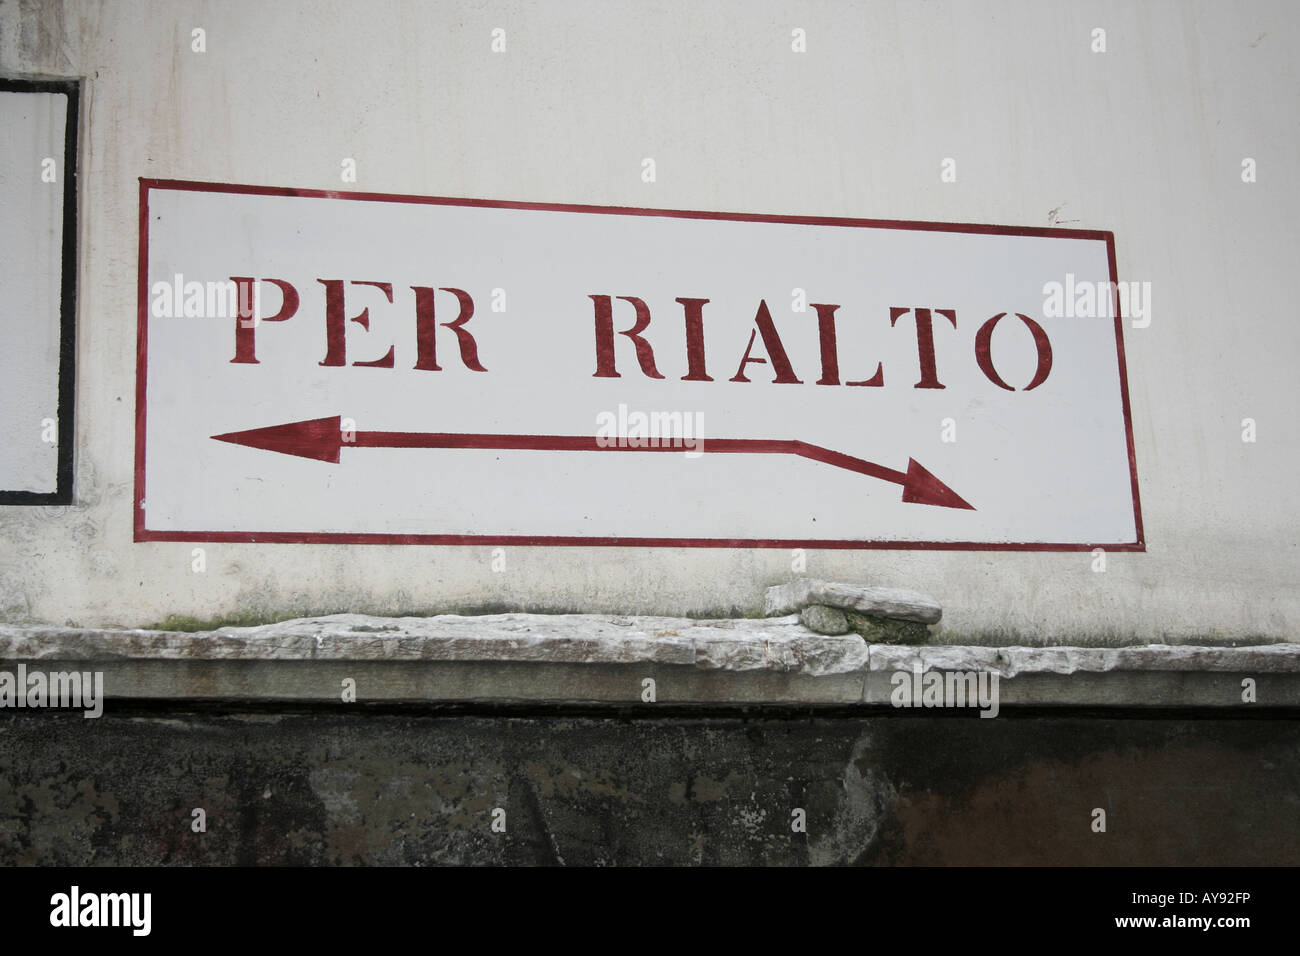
{"x": 883, "y": 630}
{"x": 821, "y": 619}
{"x": 896, "y": 603}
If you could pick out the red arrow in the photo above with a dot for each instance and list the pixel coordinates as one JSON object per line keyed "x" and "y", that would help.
{"x": 322, "y": 438}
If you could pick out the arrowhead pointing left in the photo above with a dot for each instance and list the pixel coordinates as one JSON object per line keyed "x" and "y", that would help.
{"x": 318, "y": 438}
{"x": 923, "y": 488}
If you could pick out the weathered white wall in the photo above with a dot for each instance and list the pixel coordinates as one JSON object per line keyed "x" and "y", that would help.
{"x": 1146, "y": 139}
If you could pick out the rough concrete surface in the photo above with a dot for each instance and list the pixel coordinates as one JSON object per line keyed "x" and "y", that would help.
{"x": 312, "y": 788}
{"x": 606, "y": 659}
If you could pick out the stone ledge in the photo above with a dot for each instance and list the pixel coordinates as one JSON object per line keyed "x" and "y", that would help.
{"x": 604, "y": 659}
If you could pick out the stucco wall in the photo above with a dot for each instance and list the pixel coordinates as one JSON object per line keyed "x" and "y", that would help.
{"x": 1146, "y": 139}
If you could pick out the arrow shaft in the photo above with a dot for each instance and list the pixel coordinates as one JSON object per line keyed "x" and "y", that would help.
{"x": 848, "y": 462}
{"x": 452, "y": 440}
{"x": 744, "y": 446}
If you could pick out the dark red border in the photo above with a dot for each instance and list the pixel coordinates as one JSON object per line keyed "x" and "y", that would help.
{"x": 143, "y": 534}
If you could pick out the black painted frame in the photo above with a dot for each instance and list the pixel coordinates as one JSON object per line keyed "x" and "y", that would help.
{"x": 62, "y": 495}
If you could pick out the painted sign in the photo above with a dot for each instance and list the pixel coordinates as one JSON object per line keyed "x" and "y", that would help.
{"x": 38, "y": 272}
{"x": 352, "y": 367}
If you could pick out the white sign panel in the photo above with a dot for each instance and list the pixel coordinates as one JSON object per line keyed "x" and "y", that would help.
{"x": 326, "y": 367}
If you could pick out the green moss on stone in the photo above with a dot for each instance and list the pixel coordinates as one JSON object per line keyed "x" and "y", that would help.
{"x": 183, "y": 622}
{"x": 883, "y": 630}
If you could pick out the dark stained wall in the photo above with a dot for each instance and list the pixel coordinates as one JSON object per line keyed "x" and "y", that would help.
{"x": 421, "y": 788}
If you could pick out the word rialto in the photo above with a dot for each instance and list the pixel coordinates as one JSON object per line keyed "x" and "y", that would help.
{"x": 946, "y": 689}
{"x": 765, "y": 346}
{"x": 75, "y": 689}
{"x": 103, "y": 909}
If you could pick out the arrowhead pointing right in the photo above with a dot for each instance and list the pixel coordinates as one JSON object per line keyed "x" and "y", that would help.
{"x": 923, "y": 488}
{"x": 318, "y": 438}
